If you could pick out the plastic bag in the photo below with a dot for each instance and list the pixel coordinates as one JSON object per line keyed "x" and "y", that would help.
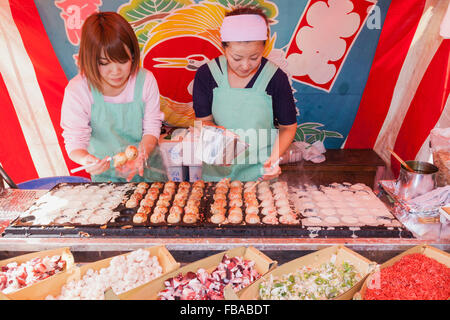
{"x": 440, "y": 147}
{"x": 218, "y": 146}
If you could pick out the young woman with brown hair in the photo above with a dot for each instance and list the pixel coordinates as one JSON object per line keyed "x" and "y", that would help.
{"x": 112, "y": 102}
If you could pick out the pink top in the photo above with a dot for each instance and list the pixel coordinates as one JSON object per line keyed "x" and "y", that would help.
{"x": 76, "y": 109}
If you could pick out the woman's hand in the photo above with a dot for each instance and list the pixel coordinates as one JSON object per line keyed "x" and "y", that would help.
{"x": 100, "y": 167}
{"x": 269, "y": 171}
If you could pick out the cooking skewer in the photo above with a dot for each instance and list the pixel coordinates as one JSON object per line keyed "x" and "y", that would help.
{"x": 401, "y": 160}
{"x": 87, "y": 166}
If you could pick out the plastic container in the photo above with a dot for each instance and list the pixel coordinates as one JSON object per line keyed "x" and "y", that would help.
{"x": 195, "y": 173}
{"x": 49, "y": 182}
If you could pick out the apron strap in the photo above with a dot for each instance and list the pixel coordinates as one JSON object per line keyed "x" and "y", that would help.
{"x": 139, "y": 86}
{"x": 219, "y": 75}
{"x": 265, "y": 76}
{"x": 96, "y": 95}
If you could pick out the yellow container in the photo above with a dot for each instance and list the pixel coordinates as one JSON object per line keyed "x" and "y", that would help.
{"x": 149, "y": 291}
{"x": 65, "y": 254}
{"x": 53, "y": 287}
{"x": 313, "y": 260}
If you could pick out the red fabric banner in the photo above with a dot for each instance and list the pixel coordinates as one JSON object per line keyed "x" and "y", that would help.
{"x": 398, "y": 31}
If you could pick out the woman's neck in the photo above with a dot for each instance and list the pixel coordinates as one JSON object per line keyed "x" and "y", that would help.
{"x": 236, "y": 81}
{"x": 112, "y": 91}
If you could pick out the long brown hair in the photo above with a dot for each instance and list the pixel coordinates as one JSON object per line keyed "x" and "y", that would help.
{"x": 107, "y": 31}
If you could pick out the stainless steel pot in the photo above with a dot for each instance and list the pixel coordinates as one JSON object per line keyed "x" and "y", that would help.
{"x": 413, "y": 184}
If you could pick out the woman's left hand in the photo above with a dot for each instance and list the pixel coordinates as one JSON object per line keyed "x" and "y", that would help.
{"x": 269, "y": 172}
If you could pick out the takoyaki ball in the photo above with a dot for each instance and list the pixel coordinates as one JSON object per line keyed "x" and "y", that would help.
{"x": 143, "y": 185}
{"x": 252, "y": 219}
{"x": 280, "y": 196}
{"x": 173, "y": 218}
{"x": 265, "y": 195}
{"x": 180, "y": 196}
{"x": 184, "y": 184}
{"x": 218, "y": 196}
{"x": 131, "y": 152}
{"x": 269, "y": 211}
{"x": 267, "y": 203}
{"x": 234, "y": 195}
{"x": 218, "y": 210}
{"x": 235, "y": 217}
{"x": 270, "y": 219}
{"x": 160, "y": 210}
{"x": 236, "y": 203}
{"x": 235, "y": 190}
{"x": 179, "y": 202}
{"x": 218, "y": 218}
{"x": 199, "y": 183}
{"x": 153, "y": 190}
{"x": 249, "y": 184}
{"x": 144, "y": 209}
{"x": 152, "y": 196}
{"x": 197, "y": 190}
{"x": 131, "y": 203}
{"x": 157, "y": 185}
{"x": 221, "y": 190}
{"x": 140, "y": 190}
{"x": 282, "y": 202}
{"x": 157, "y": 218}
{"x": 263, "y": 184}
{"x": 284, "y": 210}
{"x": 236, "y": 183}
{"x": 183, "y": 191}
{"x": 252, "y": 210}
{"x": 263, "y": 190}
{"x": 190, "y": 218}
{"x": 165, "y": 196}
{"x": 193, "y": 203}
{"x": 224, "y": 181}
{"x": 235, "y": 210}
{"x": 191, "y": 210}
{"x": 136, "y": 196}
{"x": 120, "y": 159}
{"x": 139, "y": 217}
{"x": 220, "y": 203}
{"x": 251, "y": 202}
{"x": 195, "y": 196}
{"x": 170, "y": 184}
{"x": 176, "y": 209}
{"x": 289, "y": 219}
{"x": 163, "y": 203}
{"x": 169, "y": 190}
{"x": 249, "y": 195}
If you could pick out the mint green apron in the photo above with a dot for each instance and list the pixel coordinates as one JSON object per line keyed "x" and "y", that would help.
{"x": 117, "y": 125}
{"x": 240, "y": 109}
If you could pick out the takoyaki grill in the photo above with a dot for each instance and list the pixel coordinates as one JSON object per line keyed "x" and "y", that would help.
{"x": 224, "y": 208}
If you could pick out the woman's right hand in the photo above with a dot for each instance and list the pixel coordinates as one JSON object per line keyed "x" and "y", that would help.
{"x": 100, "y": 167}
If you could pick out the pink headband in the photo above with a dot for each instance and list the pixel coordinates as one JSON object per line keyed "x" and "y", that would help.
{"x": 243, "y": 27}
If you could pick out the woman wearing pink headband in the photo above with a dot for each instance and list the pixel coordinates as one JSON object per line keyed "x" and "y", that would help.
{"x": 241, "y": 90}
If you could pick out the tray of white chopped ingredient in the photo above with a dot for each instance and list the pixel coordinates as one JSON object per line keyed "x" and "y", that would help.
{"x": 119, "y": 274}
{"x": 332, "y": 273}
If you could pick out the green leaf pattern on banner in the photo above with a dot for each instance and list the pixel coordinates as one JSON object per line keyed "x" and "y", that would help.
{"x": 144, "y": 15}
{"x": 310, "y": 133}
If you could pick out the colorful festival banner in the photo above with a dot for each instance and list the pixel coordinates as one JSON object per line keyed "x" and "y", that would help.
{"x": 364, "y": 73}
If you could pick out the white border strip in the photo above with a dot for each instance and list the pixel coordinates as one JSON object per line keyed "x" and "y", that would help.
{"x": 20, "y": 79}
